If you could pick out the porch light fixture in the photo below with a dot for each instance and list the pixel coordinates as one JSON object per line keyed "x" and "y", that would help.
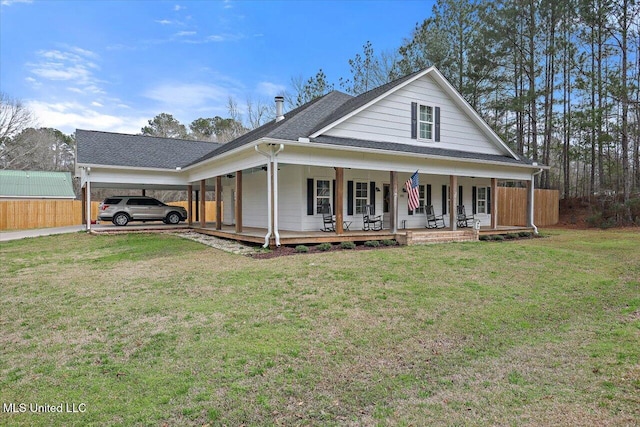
{"x": 404, "y": 190}
{"x": 230, "y": 175}
{"x": 377, "y": 189}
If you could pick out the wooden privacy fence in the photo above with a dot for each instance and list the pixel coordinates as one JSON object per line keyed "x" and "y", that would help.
{"x": 25, "y": 214}
{"x": 512, "y": 206}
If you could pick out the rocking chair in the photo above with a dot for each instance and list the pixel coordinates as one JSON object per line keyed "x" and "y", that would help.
{"x": 433, "y": 220}
{"x": 462, "y": 218}
{"x": 371, "y": 221}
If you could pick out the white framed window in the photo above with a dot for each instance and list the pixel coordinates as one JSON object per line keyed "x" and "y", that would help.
{"x": 425, "y": 122}
{"x": 481, "y": 200}
{"x": 323, "y": 195}
{"x": 361, "y": 197}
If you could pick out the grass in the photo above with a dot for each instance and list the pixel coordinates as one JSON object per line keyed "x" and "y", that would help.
{"x": 157, "y": 330}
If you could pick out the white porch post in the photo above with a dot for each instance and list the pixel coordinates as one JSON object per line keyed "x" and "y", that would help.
{"x": 88, "y": 201}
{"x": 494, "y": 203}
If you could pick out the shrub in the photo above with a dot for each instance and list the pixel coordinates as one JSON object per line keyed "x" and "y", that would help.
{"x": 324, "y": 246}
{"x": 524, "y": 234}
{"x": 389, "y": 242}
{"x": 348, "y": 245}
{"x": 511, "y": 236}
{"x": 372, "y": 243}
{"x": 302, "y": 249}
{"x": 498, "y": 237}
{"x": 485, "y": 238}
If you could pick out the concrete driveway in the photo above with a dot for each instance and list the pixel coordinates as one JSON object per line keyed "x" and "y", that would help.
{"x": 23, "y": 234}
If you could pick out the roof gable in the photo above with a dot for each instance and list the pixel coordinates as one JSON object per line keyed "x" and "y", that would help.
{"x": 36, "y": 184}
{"x": 372, "y": 116}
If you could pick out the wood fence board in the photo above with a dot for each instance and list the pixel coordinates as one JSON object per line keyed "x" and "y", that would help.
{"x": 512, "y": 207}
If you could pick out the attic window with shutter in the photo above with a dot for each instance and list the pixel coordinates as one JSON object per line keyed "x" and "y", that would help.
{"x": 425, "y": 122}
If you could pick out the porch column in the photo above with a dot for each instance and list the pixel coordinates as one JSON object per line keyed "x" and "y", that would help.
{"x": 494, "y": 203}
{"x": 190, "y": 204}
{"x": 238, "y": 202}
{"x": 203, "y": 209}
{"x": 339, "y": 200}
{"x": 393, "y": 214}
{"x": 83, "y": 198}
{"x": 453, "y": 200}
{"x": 88, "y": 203}
{"x": 218, "y": 202}
{"x": 530, "y": 195}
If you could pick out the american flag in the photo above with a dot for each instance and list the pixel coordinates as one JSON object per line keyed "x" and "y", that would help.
{"x": 412, "y": 190}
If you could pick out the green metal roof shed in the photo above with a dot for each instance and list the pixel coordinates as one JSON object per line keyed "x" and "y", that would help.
{"x": 35, "y": 185}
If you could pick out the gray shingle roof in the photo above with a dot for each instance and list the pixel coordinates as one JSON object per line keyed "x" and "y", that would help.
{"x": 117, "y": 149}
{"x": 417, "y": 149}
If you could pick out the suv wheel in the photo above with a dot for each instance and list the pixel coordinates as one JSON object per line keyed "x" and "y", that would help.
{"x": 173, "y": 218}
{"x": 120, "y": 219}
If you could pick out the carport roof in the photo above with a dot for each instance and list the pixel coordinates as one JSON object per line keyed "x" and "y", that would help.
{"x": 139, "y": 151}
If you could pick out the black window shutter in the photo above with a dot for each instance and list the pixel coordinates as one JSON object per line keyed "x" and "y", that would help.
{"x": 333, "y": 201}
{"x": 414, "y": 120}
{"x": 309, "y": 196}
{"x": 372, "y": 197}
{"x": 437, "y": 124}
{"x": 474, "y": 199}
{"x": 460, "y": 198}
{"x": 428, "y": 194}
{"x": 349, "y": 197}
{"x": 444, "y": 200}
{"x": 488, "y": 200}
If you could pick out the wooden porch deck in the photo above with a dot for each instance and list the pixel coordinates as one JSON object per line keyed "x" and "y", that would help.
{"x": 404, "y": 237}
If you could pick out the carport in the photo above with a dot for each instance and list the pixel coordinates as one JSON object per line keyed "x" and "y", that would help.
{"x": 119, "y": 161}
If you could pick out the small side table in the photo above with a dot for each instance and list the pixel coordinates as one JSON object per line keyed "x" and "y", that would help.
{"x": 346, "y": 225}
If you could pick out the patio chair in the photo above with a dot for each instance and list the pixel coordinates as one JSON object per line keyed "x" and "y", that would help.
{"x": 462, "y": 218}
{"x": 328, "y": 220}
{"x": 433, "y": 220}
{"x": 371, "y": 221}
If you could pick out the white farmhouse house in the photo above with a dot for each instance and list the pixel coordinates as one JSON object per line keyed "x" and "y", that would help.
{"x": 338, "y": 150}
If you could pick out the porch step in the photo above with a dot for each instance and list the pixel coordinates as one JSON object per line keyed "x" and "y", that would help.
{"x": 427, "y": 237}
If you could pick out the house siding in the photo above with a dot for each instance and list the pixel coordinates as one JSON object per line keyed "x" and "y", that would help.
{"x": 390, "y": 120}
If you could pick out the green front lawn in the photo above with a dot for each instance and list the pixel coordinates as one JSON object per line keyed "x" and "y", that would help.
{"x": 157, "y": 330}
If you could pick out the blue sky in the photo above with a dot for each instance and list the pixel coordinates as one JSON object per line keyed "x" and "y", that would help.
{"x": 113, "y": 65}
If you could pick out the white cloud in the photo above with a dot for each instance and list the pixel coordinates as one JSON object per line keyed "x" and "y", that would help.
{"x": 185, "y": 33}
{"x": 270, "y": 89}
{"x": 67, "y": 116}
{"x": 163, "y": 22}
{"x": 96, "y": 104}
{"x": 73, "y": 64}
{"x": 178, "y": 8}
